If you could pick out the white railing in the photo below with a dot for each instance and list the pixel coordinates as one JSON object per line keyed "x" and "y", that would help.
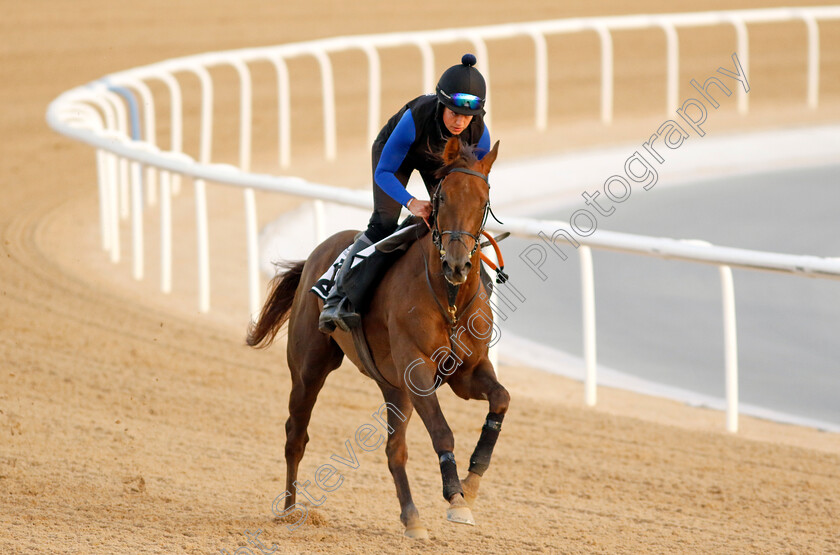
{"x": 99, "y": 114}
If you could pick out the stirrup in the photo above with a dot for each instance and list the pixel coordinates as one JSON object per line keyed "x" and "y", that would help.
{"x": 341, "y": 315}
{"x": 325, "y": 323}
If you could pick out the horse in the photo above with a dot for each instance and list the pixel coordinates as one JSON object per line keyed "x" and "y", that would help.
{"x": 417, "y": 345}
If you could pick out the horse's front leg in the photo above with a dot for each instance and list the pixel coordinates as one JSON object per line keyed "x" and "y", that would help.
{"x": 484, "y": 385}
{"x": 425, "y": 401}
{"x": 398, "y": 415}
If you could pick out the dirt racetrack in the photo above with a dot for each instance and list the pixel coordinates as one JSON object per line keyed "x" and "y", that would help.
{"x": 131, "y": 424}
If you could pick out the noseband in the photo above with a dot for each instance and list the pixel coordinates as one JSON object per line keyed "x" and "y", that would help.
{"x": 437, "y": 234}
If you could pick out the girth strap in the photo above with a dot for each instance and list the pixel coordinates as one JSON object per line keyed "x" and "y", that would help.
{"x": 368, "y": 364}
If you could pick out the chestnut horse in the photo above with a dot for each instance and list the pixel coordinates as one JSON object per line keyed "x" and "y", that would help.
{"x": 415, "y": 342}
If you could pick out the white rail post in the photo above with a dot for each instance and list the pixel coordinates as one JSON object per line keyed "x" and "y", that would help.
{"x": 730, "y": 348}
{"x": 284, "y": 112}
{"x": 104, "y": 192}
{"x": 589, "y": 346}
{"x": 607, "y": 72}
{"x": 167, "y": 181}
{"x": 206, "y": 130}
{"x": 121, "y": 125}
{"x": 374, "y": 91}
{"x": 743, "y": 57}
{"x": 149, "y": 135}
{"x": 109, "y": 201}
{"x": 176, "y": 122}
{"x": 540, "y": 80}
{"x": 92, "y": 119}
{"x": 135, "y": 177}
{"x": 249, "y": 198}
{"x": 166, "y": 231}
{"x": 245, "y": 113}
{"x": 428, "y": 56}
{"x": 203, "y": 245}
{"x": 813, "y": 59}
{"x": 137, "y": 221}
{"x": 115, "y": 120}
{"x": 252, "y": 240}
{"x": 328, "y": 92}
{"x": 202, "y": 232}
{"x": 113, "y": 186}
{"x": 730, "y": 340}
{"x": 673, "y": 62}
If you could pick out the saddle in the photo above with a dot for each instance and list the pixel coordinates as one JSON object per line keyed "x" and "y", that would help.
{"x": 370, "y": 264}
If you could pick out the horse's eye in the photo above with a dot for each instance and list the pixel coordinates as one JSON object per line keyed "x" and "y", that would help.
{"x": 441, "y": 199}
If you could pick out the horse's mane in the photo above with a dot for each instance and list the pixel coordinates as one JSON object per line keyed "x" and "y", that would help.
{"x": 465, "y": 159}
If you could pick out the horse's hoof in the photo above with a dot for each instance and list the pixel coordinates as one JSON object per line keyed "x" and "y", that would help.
{"x": 417, "y": 533}
{"x": 461, "y": 515}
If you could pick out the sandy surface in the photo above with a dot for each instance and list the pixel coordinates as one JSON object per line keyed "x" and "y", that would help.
{"x": 131, "y": 424}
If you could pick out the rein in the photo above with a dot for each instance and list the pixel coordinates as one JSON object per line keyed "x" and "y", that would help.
{"x": 501, "y": 276}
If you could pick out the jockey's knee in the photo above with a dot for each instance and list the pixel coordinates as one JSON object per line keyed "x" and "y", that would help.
{"x": 380, "y": 230}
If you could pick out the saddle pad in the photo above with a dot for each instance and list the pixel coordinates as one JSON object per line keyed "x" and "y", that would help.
{"x": 399, "y": 240}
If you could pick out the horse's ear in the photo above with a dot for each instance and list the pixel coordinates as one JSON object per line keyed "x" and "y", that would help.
{"x": 452, "y": 151}
{"x": 490, "y": 157}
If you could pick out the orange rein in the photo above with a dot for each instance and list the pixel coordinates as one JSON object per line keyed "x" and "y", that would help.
{"x": 501, "y": 276}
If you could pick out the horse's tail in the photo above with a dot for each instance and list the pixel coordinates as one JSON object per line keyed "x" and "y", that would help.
{"x": 277, "y": 307}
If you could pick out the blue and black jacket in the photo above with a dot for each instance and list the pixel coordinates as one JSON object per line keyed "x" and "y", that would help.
{"x": 413, "y": 139}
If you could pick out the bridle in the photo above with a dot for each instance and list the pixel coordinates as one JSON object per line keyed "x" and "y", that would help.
{"x": 437, "y": 234}
{"x": 437, "y": 241}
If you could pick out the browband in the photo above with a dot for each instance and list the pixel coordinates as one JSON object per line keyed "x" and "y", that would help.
{"x": 471, "y": 172}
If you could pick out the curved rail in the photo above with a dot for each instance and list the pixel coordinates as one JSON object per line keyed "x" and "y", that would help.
{"x": 103, "y": 115}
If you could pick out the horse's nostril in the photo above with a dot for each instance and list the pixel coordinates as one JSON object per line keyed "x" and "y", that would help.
{"x": 467, "y": 266}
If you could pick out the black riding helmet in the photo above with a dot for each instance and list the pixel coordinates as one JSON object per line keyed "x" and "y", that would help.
{"x": 461, "y": 88}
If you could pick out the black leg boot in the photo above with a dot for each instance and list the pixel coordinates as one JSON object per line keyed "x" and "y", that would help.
{"x": 338, "y": 311}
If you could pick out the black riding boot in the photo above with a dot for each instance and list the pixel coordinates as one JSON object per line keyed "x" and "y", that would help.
{"x": 338, "y": 310}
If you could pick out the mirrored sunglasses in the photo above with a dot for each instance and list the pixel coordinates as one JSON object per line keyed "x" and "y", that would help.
{"x": 464, "y": 100}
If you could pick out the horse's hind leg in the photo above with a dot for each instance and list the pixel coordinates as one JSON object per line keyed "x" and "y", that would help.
{"x": 397, "y": 458}
{"x": 309, "y": 364}
{"x": 485, "y": 386}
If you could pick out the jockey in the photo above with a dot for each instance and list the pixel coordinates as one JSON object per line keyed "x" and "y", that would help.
{"x": 412, "y": 140}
